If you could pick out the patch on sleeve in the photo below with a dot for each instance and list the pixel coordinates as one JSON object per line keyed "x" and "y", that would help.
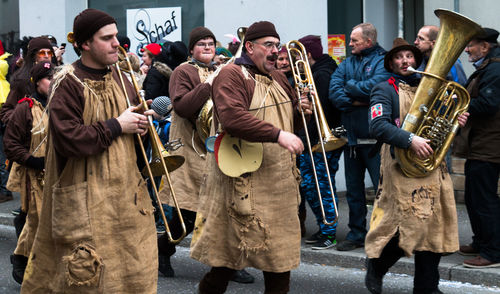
{"x": 376, "y": 110}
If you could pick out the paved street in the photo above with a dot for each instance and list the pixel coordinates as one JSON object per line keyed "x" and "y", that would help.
{"x": 308, "y": 278}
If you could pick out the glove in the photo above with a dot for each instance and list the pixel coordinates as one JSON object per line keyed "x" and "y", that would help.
{"x": 37, "y": 163}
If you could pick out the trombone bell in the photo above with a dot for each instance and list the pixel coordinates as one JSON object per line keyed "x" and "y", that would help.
{"x": 173, "y": 162}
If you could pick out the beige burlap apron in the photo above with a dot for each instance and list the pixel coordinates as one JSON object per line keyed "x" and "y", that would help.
{"x": 32, "y": 181}
{"x": 421, "y": 209}
{"x": 187, "y": 179}
{"x": 96, "y": 232}
{"x": 252, "y": 220}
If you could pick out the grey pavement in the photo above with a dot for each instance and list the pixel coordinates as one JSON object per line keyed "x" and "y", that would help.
{"x": 451, "y": 267}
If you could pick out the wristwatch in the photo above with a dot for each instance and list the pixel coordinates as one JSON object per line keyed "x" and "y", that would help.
{"x": 410, "y": 138}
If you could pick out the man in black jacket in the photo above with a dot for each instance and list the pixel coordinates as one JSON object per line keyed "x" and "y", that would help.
{"x": 322, "y": 67}
{"x": 478, "y": 142}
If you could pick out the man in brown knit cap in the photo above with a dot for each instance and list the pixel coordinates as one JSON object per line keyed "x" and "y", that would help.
{"x": 190, "y": 88}
{"x": 251, "y": 220}
{"x": 96, "y": 232}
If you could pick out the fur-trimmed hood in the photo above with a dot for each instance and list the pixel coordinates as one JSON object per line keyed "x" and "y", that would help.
{"x": 162, "y": 68}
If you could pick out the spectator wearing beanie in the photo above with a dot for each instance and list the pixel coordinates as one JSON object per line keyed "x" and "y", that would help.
{"x": 39, "y": 49}
{"x": 149, "y": 52}
{"x": 25, "y": 146}
{"x": 91, "y": 127}
{"x": 322, "y": 67}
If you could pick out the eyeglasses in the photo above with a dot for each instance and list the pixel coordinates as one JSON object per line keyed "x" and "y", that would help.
{"x": 203, "y": 45}
{"x": 269, "y": 45}
{"x": 44, "y": 52}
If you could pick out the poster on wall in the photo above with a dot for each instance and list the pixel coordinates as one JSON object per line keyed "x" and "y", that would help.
{"x": 336, "y": 47}
{"x": 153, "y": 25}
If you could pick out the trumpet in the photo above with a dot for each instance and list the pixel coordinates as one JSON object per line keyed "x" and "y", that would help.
{"x": 303, "y": 78}
{"x": 160, "y": 158}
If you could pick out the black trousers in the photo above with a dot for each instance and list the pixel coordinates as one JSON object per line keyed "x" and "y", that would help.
{"x": 483, "y": 206}
{"x": 216, "y": 280}
{"x": 164, "y": 246}
{"x": 426, "y": 278}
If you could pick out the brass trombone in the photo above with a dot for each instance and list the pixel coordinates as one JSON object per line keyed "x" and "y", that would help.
{"x": 303, "y": 78}
{"x": 160, "y": 158}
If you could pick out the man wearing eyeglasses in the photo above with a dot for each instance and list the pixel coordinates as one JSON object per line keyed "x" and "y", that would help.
{"x": 425, "y": 42}
{"x": 190, "y": 88}
{"x": 251, "y": 220}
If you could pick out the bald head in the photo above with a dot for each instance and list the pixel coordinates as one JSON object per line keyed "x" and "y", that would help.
{"x": 426, "y": 39}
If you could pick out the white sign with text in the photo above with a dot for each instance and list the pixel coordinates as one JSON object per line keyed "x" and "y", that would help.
{"x": 153, "y": 25}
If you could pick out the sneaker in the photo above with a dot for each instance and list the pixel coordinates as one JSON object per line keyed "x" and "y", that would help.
{"x": 325, "y": 242}
{"x": 348, "y": 245}
{"x": 314, "y": 238}
{"x": 243, "y": 277}
{"x": 467, "y": 250}
{"x": 160, "y": 228}
{"x": 165, "y": 267}
{"x": 480, "y": 262}
{"x": 16, "y": 211}
{"x": 5, "y": 197}
{"x": 19, "y": 263}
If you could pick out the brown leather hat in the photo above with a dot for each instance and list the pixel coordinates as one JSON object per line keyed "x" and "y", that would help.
{"x": 400, "y": 44}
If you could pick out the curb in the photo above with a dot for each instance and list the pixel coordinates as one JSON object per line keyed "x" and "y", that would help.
{"x": 6, "y": 219}
{"x": 450, "y": 268}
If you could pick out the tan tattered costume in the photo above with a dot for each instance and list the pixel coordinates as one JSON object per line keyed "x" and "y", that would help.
{"x": 28, "y": 183}
{"x": 187, "y": 179}
{"x": 251, "y": 220}
{"x": 96, "y": 232}
{"x": 422, "y": 210}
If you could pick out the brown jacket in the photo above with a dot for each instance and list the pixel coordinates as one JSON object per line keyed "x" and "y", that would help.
{"x": 480, "y": 138}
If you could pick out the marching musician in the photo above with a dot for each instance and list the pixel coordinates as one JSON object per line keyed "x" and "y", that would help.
{"x": 96, "y": 232}
{"x": 410, "y": 215}
{"x": 322, "y": 67}
{"x": 188, "y": 93}
{"x": 190, "y": 87}
{"x": 24, "y": 143}
{"x": 251, "y": 220}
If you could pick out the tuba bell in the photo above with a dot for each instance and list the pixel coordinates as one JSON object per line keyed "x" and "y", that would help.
{"x": 438, "y": 102}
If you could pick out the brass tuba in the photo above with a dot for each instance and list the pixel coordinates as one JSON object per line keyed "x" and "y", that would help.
{"x": 204, "y": 119}
{"x": 438, "y": 102}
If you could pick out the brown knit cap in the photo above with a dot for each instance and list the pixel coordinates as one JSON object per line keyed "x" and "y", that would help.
{"x": 261, "y": 29}
{"x": 38, "y": 43}
{"x": 197, "y": 34}
{"x": 41, "y": 70}
{"x": 88, "y": 22}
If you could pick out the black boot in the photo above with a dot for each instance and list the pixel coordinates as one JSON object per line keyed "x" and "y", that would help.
{"x": 243, "y": 277}
{"x": 373, "y": 280}
{"x": 165, "y": 267}
{"x": 19, "y": 264}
